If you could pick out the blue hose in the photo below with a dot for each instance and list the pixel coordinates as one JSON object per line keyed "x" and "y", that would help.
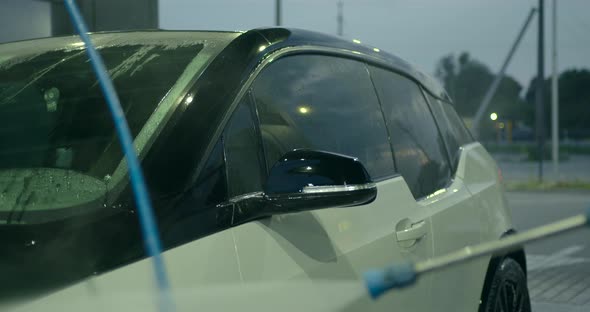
{"x": 149, "y": 227}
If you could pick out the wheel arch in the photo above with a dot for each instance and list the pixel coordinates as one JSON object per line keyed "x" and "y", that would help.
{"x": 517, "y": 255}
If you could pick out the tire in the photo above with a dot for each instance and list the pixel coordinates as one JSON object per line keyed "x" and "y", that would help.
{"x": 508, "y": 291}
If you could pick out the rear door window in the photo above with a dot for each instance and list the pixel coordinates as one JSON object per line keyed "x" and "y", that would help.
{"x": 418, "y": 148}
{"x": 452, "y": 128}
{"x": 324, "y": 103}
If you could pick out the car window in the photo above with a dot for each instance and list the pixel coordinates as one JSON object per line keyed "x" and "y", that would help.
{"x": 324, "y": 103}
{"x": 243, "y": 151}
{"x": 419, "y": 151}
{"x": 454, "y": 132}
{"x": 197, "y": 213}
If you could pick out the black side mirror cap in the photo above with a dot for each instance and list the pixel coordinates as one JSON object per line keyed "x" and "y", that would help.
{"x": 302, "y": 170}
{"x": 305, "y": 180}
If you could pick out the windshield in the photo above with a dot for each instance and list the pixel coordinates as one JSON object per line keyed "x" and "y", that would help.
{"x": 58, "y": 140}
{"x": 54, "y": 114}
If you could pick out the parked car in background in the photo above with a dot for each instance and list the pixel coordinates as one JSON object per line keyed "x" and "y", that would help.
{"x": 273, "y": 156}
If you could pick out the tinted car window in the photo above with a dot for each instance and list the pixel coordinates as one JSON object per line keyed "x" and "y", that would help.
{"x": 419, "y": 151}
{"x": 197, "y": 214}
{"x": 452, "y": 128}
{"x": 323, "y": 103}
{"x": 242, "y": 148}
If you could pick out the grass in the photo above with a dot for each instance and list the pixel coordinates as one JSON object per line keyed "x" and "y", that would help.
{"x": 534, "y": 185}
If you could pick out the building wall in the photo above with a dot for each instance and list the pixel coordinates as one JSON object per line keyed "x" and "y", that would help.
{"x": 27, "y": 19}
{"x": 24, "y": 19}
{"x": 107, "y": 15}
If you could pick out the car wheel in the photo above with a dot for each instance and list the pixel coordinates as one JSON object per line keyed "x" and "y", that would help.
{"x": 508, "y": 291}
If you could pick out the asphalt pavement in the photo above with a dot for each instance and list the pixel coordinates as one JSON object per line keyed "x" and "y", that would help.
{"x": 558, "y": 267}
{"x": 515, "y": 169}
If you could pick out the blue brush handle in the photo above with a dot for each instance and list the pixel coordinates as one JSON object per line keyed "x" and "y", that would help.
{"x": 398, "y": 276}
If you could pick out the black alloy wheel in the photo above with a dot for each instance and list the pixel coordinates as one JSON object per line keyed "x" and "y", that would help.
{"x": 508, "y": 291}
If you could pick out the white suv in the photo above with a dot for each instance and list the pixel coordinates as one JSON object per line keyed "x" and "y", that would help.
{"x": 282, "y": 164}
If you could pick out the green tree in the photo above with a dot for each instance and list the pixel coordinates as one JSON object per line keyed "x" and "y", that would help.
{"x": 574, "y": 102}
{"x": 467, "y": 81}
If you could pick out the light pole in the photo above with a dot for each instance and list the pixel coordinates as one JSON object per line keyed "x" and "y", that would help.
{"x": 539, "y": 116}
{"x": 554, "y": 96}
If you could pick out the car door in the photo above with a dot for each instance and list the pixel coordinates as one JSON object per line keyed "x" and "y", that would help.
{"x": 326, "y": 103}
{"x": 461, "y": 219}
{"x": 424, "y": 161}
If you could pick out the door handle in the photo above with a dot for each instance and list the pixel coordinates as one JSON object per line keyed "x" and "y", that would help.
{"x": 414, "y": 232}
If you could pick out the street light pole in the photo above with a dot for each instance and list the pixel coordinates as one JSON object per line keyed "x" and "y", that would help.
{"x": 278, "y": 13}
{"x": 554, "y": 96}
{"x": 540, "y": 88}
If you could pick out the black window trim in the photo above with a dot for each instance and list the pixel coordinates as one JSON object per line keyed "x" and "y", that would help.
{"x": 454, "y": 166}
{"x": 353, "y": 56}
{"x": 368, "y": 69}
{"x": 264, "y": 170}
{"x": 436, "y": 122}
{"x": 259, "y": 65}
{"x": 423, "y": 91}
{"x": 298, "y": 50}
{"x": 256, "y": 119}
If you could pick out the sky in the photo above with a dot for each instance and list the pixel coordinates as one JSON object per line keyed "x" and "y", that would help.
{"x": 419, "y": 31}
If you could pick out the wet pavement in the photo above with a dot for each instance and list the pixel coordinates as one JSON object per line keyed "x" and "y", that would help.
{"x": 559, "y": 267}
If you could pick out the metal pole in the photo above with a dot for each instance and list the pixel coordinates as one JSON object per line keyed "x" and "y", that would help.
{"x": 402, "y": 275}
{"x": 278, "y": 13}
{"x": 340, "y": 18}
{"x": 496, "y": 83}
{"x": 503, "y": 245}
{"x": 540, "y": 116}
{"x": 554, "y": 97}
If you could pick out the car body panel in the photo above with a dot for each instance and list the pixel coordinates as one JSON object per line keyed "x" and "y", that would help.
{"x": 339, "y": 244}
{"x": 457, "y": 222}
{"x": 203, "y": 262}
{"x": 479, "y": 172}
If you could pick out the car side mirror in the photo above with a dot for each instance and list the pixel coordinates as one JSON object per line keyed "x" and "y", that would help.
{"x": 308, "y": 180}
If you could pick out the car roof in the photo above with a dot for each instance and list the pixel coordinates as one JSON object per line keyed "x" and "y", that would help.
{"x": 283, "y": 37}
